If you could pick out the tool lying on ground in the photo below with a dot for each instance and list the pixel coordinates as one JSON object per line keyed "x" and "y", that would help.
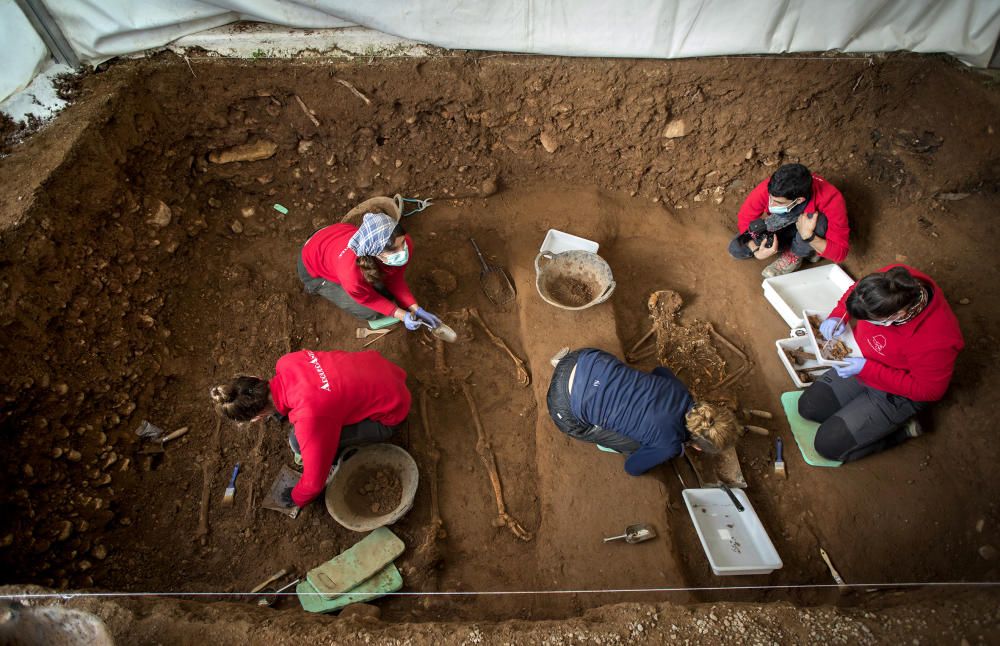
{"x": 286, "y": 478}
{"x": 269, "y": 599}
{"x": 756, "y": 430}
{"x": 269, "y": 580}
{"x": 494, "y": 280}
{"x": 156, "y": 446}
{"x": 364, "y": 333}
{"x": 779, "y": 459}
{"x": 148, "y": 431}
{"x": 833, "y": 571}
{"x": 421, "y": 205}
{"x": 736, "y": 502}
{"x": 635, "y": 534}
{"x": 714, "y": 469}
{"x": 227, "y": 498}
{"x": 379, "y": 336}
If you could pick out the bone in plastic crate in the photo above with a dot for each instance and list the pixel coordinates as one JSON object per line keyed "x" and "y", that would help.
{"x": 735, "y": 542}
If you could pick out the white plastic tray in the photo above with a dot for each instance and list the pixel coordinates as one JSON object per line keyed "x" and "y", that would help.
{"x": 800, "y": 342}
{"x": 817, "y": 288}
{"x": 847, "y": 337}
{"x": 735, "y": 542}
{"x": 557, "y": 242}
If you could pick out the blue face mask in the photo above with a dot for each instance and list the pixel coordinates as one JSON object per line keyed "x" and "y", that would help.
{"x": 399, "y": 258}
{"x": 781, "y": 210}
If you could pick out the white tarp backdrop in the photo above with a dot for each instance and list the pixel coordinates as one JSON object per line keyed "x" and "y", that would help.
{"x": 968, "y": 29}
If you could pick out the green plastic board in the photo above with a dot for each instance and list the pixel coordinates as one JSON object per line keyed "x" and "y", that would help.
{"x": 387, "y": 580}
{"x": 804, "y": 431}
{"x": 382, "y": 323}
{"x": 356, "y": 564}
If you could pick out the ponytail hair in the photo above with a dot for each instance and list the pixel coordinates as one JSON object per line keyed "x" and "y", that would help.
{"x": 882, "y": 294}
{"x": 713, "y": 424}
{"x": 371, "y": 266}
{"x": 241, "y": 399}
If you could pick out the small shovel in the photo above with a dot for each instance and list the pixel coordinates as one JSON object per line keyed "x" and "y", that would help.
{"x": 156, "y": 446}
{"x": 635, "y": 534}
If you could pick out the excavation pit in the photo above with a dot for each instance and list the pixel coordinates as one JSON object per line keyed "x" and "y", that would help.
{"x": 136, "y": 272}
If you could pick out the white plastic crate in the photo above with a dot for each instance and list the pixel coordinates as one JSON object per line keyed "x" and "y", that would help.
{"x": 557, "y": 242}
{"x": 799, "y": 341}
{"x": 817, "y": 288}
{"x": 735, "y": 542}
{"x": 847, "y": 337}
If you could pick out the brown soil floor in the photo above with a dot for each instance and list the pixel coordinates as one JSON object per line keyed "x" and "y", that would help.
{"x": 110, "y": 319}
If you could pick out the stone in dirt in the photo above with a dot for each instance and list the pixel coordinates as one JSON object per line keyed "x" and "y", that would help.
{"x": 256, "y": 151}
{"x": 363, "y": 611}
{"x": 490, "y": 186}
{"x": 549, "y": 143}
{"x": 676, "y": 128}
{"x": 161, "y": 215}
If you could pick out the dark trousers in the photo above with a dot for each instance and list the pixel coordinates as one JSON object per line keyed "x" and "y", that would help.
{"x": 558, "y": 400}
{"x": 788, "y": 238}
{"x": 364, "y": 432}
{"x": 855, "y": 420}
{"x": 338, "y": 296}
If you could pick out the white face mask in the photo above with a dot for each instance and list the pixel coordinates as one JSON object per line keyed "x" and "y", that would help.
{"x": 781, "y": 210}
{"x": 399, "y": 258}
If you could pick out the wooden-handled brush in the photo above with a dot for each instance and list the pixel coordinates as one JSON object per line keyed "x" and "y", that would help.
{"x": 779, "y": 460}
{"x": 227, "y": 499}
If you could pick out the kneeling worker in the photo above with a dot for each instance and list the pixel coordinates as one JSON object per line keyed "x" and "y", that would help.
{"x": 334, "y": 400}
{"x": 648, "y": 417}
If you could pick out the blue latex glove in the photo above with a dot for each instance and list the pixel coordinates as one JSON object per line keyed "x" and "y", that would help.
{"x": 411, "y": 322}
{"x": 853, "y": 367}
{"x": 832, "y": 327}
{"x": 427, "y": 317}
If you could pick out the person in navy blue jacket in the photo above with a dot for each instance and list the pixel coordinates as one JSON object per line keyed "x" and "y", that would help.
{"x": 648, "y": 417}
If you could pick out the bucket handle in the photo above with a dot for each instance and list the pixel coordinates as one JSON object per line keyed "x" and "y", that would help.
{"x": 548, "y": 255}
{"x": 606, "y": 294}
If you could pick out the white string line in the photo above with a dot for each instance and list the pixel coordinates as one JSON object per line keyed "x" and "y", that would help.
{"x": 457, "y": 593}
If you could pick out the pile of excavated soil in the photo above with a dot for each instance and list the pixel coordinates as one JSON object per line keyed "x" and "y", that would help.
{"x": 373, "y": 491}
{"x": 135, "y": 273}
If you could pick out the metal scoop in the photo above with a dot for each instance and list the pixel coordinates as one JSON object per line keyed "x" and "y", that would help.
{"x": 635, "y": 534}
{"x": 443, "y": 332}
{"x": 494, "y": 280}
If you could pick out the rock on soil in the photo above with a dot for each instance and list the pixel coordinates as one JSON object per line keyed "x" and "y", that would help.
{"x": 256, "y": 151}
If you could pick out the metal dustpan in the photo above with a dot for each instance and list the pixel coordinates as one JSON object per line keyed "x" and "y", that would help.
{"x": 286, "y": 478}
{"x": 494, "y": 280}
{"x": 714, "y": 470}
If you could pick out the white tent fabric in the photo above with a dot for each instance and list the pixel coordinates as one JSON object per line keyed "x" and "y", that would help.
{"x": 25, "y": 53}
{"x": 968, "y": 29}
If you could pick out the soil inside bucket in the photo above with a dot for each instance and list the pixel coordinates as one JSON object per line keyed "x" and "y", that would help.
{"x": 374, "y": 491}
{"x": 571, "y": 291}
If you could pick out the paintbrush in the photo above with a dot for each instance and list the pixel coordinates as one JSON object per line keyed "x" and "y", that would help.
{"x": 779, "y": 460}
{"x": 227, "y": 499}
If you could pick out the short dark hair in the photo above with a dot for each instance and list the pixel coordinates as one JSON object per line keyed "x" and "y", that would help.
{"x": 791, "y": 181}
{"x": 242, "y": 399}
{"x": 882, "y": 294}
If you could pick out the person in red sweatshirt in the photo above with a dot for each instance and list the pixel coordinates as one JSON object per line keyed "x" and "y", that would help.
{"x": 909, "y": 338}
{"x": 796, "y": 213}
{"x": 334, "y": 400}
{"x": 362, "y": 270}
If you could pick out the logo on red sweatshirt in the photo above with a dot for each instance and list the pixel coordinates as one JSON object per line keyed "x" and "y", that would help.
{"x": 877, "y": 342}
{"x": 314, "y": 360}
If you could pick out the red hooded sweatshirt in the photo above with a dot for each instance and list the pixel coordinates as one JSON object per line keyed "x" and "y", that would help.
{"x": 321, "y": 392}
{"x": 327, "y": 256}
{"x": 825, "y": 198}
{"x": 915, "y": 359}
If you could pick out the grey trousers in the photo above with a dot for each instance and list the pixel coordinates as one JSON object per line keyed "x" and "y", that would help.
{"x": 788, "y": 238}
{"x": 558, "y": 400}
{"x": 855, "y": 420}
{"x": 364, "y": 432}
{"x": 338, "y": 296}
